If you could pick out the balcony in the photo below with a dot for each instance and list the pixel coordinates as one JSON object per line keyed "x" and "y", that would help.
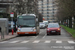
{"x": 6, "y": 1}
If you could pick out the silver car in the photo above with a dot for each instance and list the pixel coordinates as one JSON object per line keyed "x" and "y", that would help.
{"x": 42, "y": 25}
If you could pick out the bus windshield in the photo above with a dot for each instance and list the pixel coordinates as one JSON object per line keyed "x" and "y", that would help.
{"x": 26, "y": 22}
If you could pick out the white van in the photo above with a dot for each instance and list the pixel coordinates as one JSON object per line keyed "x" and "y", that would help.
{"x": 46, "y": 23}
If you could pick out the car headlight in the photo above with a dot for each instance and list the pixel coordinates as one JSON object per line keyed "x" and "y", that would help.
{"x": 58, "y": 28}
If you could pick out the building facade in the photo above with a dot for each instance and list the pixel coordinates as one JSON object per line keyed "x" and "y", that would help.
{"x": 18, "y": 7}
{"x": 7, "y": 6}
{"x": 47, "y": 8}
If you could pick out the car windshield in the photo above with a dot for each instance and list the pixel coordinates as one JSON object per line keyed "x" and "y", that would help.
{"x": 53, "y": 26}
{"x": 46, "y": 23}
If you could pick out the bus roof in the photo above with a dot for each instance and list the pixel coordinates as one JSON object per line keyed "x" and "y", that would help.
{"x": 28, "y": 14}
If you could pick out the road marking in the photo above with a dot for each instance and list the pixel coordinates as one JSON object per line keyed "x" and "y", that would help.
{"x": 44, "y": 36}
{"x": 58, "y": 41}
{"x": 47, "y": 41}
{"x": 24, "y": 41}
{"x": 4, "y": 42}
{"x": 37, "y": 41}
{"x": 72, "y": 42}
{"x": 14, "y": 41}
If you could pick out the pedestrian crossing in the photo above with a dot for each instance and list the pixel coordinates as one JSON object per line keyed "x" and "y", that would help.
{"x": 14, "y": 41}
{"x": 58, "y": 41}
{"x": 25, "y": 42}
{"x": 36, "y": 41}
{"x": 39, "y": 41}
{"x": 47, "y": 41}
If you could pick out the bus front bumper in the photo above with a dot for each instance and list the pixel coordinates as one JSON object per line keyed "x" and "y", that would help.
{"x": 26, "y": 32}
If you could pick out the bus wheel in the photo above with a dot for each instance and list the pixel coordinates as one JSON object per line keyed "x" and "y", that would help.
{"x": 37, "y": 34}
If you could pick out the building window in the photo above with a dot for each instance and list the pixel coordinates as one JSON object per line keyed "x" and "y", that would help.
{"x": 47, "y": 9}
{"x": 47, "y": 12}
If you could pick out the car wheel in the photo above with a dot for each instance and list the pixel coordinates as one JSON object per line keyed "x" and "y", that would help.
{"x": 59, "y": 34}
{"x": 47, "y": 34}
{"x": 38, "y": 34}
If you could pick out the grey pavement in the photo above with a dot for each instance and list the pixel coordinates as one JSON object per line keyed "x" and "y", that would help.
{"x": 40, "y": 42}
{"x": 9, "y": 36}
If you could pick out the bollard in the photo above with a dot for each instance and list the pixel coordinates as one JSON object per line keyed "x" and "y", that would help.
{"x": 12, "y": 31}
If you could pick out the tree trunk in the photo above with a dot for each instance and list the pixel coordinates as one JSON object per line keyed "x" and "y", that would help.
{"x": 74, "y": 22}
{"x": 70, "y": 22}
{"x": 67, "y": 22}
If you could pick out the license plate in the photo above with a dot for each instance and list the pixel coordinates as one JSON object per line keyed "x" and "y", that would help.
{"x": 26, "y": 33}
{"x": 53, "y": 31}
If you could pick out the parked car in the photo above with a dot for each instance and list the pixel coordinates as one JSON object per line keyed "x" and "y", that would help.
{"x": 53, "y": 28}
{"x": 42, "y": 25}
{"x": 14, "y": 26}
{"x": 46, "y": 23}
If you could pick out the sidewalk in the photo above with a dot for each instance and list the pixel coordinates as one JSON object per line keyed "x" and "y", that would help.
{"x": 10, "y": 36}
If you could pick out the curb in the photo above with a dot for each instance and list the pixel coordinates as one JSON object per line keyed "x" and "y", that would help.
{"x": 8, "y": 38}
{"x": 69, "y": 33}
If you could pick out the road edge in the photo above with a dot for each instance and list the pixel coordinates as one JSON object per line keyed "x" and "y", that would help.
{"x": 68, "y": 33}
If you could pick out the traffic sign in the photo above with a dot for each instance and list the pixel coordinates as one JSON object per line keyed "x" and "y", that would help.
{"x": 11, "y": 14}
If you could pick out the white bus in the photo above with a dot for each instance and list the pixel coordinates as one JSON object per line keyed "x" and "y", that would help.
{"x": 27, "y": 24}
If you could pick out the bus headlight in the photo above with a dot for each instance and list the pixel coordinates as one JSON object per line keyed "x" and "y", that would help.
{"x": 18, "y": 29}
{"x": 34, "y": 29}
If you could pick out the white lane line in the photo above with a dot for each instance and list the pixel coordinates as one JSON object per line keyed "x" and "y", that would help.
{"x": 4, "y": 42}
{"x": 24, "y": 41}
{"x": 72, "y": 42}
{"x": 47, "y": 41}
{"x": 58, "y": 41}
{"x": 36, "y": 41}
{"x": 14, "y": 41}
{"x": 44, "y": 36}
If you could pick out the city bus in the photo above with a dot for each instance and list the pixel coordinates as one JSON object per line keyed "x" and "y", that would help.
{"x": 27, "y": 24}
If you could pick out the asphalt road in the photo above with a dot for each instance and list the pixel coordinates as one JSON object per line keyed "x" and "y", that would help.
{"x": 40, "y": 42}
